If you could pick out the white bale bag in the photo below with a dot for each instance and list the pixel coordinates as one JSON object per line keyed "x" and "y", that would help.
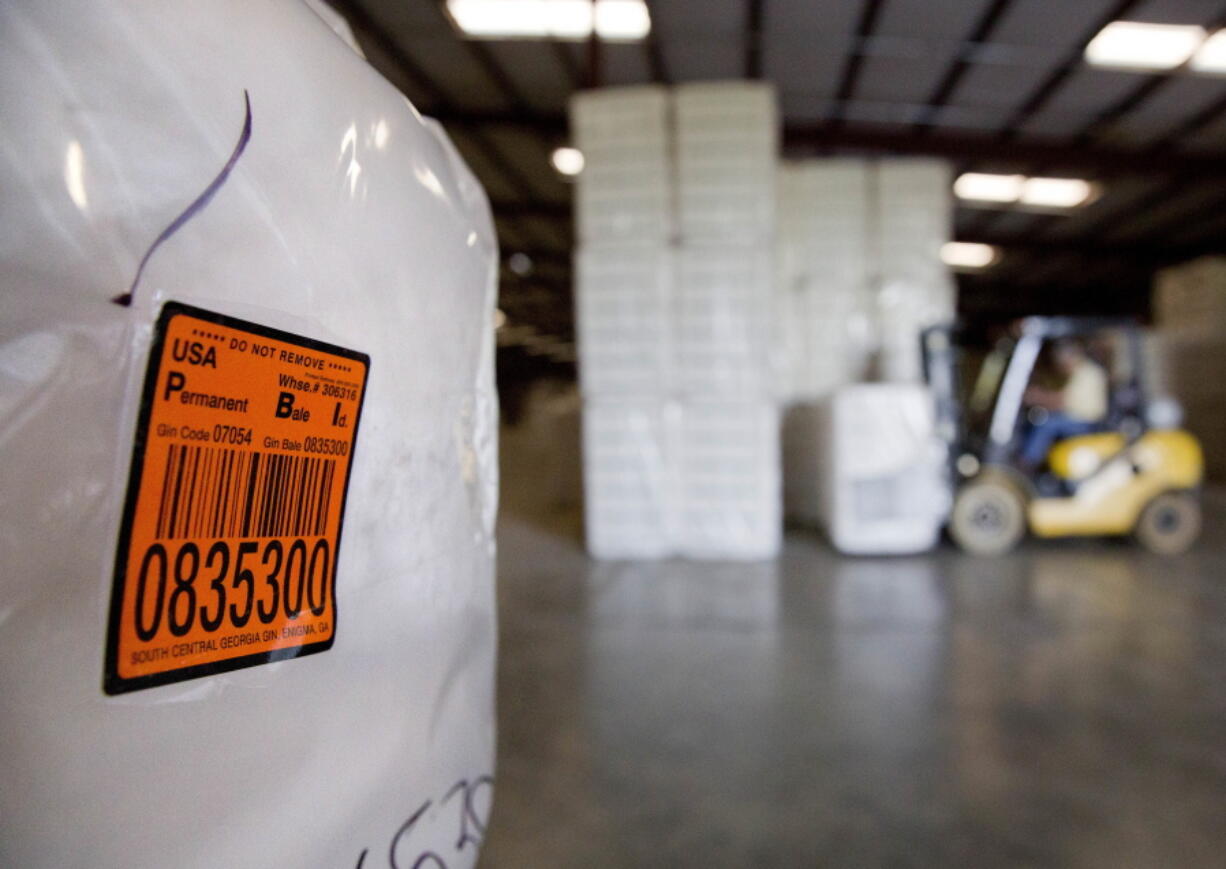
{"x": 246, "y": 297}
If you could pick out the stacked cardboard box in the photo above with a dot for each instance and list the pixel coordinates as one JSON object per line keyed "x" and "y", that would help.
{"x": 1189, "y": 308}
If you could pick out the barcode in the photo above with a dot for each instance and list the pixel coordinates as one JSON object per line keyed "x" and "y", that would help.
{"x": 219, "y": 492}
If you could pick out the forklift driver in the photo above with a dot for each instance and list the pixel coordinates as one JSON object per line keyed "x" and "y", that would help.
{"x": 1078, "y": 407}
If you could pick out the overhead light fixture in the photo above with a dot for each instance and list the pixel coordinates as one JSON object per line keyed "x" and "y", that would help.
{"x": 1056, "y": 192}
{"x": 983, "y": 187}
{"x": 622, "y": 20}
{"x": 523, "y": 19}
{"x": 1211, "y": 56}
{"x": 1136, "y": 45}
{"x": 1014, "y": 189}
{"x": 969, "y": 255}
{"x": 568, "y": 161}
{"x": 575, "y": 20}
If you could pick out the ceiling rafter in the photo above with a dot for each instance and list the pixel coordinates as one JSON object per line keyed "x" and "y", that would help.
{"x": 1113, "y": 114}
{"x": 481, "y": 53}
{"x": 1193, "y": 124}
{"x": 1146, "y": 89}
{"x": 655, "y": 52}
{"x": 855, "y": 60}
{"x": 755, "y": 15}
{"x": 961, "y": 63}
{"x": 1163, "y": 146}
{"x": 566, "y": 60}
{"x": 1169, "y": 225}
{"x": 1044, "y": 93}
{"x": 370, "y": 31}
{"x": 1058, "y": 76}
{"x": 1087, "y": 152}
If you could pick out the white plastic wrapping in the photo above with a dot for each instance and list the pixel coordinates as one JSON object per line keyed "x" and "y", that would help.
{"x": 623, "y": 302}
{"x": 625, "y": 190}
{"x": 914, "y": 215}
{"x": 675, "y": 309}
{"x": 860, "y": 274}
{"x": 723, "y": 319}
{"x": 729, "y": 497}
{"x": 628, "y": 478}
{"x": 348, "y": 219}
{"x": 905, "y": 307}
{"x": 824, "y": 221}
{"x": 727, "y": 145}
{"x": 699, "y": 479}
{"x": 879, "y": 473}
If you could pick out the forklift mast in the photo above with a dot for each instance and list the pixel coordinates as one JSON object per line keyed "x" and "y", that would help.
{"x": 940, "y": 353}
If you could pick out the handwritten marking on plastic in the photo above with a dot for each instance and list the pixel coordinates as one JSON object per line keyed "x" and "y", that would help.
{"x": 228, "y": 551}
{"x": 197, "y": 205}
{"x": 470, "y": 799}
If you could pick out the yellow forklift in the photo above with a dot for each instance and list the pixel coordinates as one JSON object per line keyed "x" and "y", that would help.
{"x": 1135, "y": 472}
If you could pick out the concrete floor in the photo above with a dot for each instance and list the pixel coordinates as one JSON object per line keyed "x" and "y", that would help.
{"x": 1063, "y": 706}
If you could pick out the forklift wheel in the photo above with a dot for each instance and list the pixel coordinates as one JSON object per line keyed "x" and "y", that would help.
{"x": 1170, "y": 523}
{"x": 989, "y": 517}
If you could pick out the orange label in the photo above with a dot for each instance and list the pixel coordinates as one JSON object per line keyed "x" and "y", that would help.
{"x": 232, "y": 525}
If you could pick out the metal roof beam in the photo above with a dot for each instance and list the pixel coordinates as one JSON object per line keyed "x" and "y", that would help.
{"x": 755, "y": 14}
{"x": 655, "y": 52}
{"x": 1056, "y": 79}
{"x": 962, "y": 62}
{"x": 855, "y": 59}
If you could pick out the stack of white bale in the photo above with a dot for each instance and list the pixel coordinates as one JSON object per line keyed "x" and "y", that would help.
{"x": 1189, "y": 308}
{"x": 860, "y": 278}
{"x": 859, "y": 269}
{"x": 825, "y": 305}
{"x": 727, "y": 145}
{"x": 674, "y": 303}
{"x": 623, "y": 310}
{"x": 913, "y": 217}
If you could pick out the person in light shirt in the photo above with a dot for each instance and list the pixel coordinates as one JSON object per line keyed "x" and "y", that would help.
{"x": 1078, "y": 407}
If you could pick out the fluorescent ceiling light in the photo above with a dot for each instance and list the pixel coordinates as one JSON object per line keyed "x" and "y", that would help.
{"x": 1009, "y": 189}
{"x": 551, "y": 19}
{"x": 568, "y": 161}
{"x": 559, "y": 19}
{"x": 989, "y": 188}
{"x": 968, "y": 255}
{"x": 1133, "y": 45}
{"x": 1212, "y": 55}
{"x": 622, "y": 20}
{"x": 1056, "y": 192}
